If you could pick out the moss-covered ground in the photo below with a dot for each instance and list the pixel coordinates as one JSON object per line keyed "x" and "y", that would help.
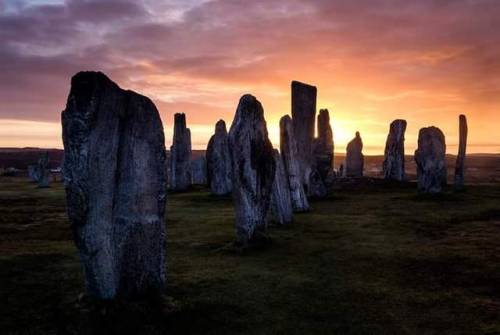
{"x": 368, "y": 260}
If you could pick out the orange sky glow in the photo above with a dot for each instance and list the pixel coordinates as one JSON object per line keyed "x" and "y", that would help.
{"x": 372, "y": 62}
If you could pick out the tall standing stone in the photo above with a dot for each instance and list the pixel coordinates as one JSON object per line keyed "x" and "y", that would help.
{"x": 303, "y": 115}
{"x": 180, "y": 155}
{"x": 281, "y": 203}
{"x": 323, "y": 145}
{"x": 288, "y": 148}
{"x": 460, "y": 164}
{"x": 114, "y": 175}
{"x": 354, "y": 162}
{"x": 43, "y": 170}
{"x": 198, "y": 169}
{"x": 430, "y": 157}
{"x": 219, "y": 161}
{"x": 394, "y": 162}
{"x": 253, "y": 169}
{"x": 33, "y": 173}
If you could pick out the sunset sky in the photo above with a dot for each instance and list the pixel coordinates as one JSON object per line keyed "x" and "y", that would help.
{"x": 372, "y": 61}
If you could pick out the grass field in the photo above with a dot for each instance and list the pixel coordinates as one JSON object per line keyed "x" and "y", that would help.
{"x": 367, "y": 260}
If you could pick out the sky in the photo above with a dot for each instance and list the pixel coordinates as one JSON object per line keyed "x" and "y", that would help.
{"x": 372, "y": 61}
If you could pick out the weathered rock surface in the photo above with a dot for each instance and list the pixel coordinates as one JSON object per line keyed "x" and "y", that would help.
{"x": 180, "y": 155}
{"x": 33, "y": 173}
{"x": 288, "y": 148}
{"x": 303, "y": 115}
{"x": 281, "y": 203}
{"x": 354, "y": 162}
{"x": 253, "y": 169}
{"x": 199, "y": 171}
{"x": 317, "y": 188}
{"x": 43, "y": 171}
{"x": 323, "y": 145}
{"x": 219, "y": 161}
{"x": 394, "y": 154}
{"x": 114, "y": 175}
{"x": 431, "y": 160}
{"x": 460, "y": 164}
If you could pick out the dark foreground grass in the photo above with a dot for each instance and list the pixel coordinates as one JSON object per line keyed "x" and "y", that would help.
{"x": 375, "y": 260}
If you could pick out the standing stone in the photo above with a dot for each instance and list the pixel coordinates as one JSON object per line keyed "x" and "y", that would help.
{"x": 431, "y": 160}
{"x": 219, "y": 161}
{"x": 33, "y": 173}
{"x": 354, "y": 161}
{"x": 303, "y": 115}
{"x": 199, "y": 171}
{"x": 114, "y": 175}
{"x": 281, "y": 203}
{"x": 460, "y": 165}
{"x": 253, "y": 169}
{"x": 288, "y": 148}
{"x": 394, "y": 162}
{"x": 43, "y": 171}
{"x": 317, "y": 188}
{"x": 323, "y": 145}
{"x": 180, "y": 155}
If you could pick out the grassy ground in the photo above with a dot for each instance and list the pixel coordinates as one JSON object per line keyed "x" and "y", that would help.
{"x": 375, "y": 260}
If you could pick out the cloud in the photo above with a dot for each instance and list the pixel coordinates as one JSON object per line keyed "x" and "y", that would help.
{"x": 386, "y": 58}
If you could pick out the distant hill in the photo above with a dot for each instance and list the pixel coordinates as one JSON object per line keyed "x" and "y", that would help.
{"x": 481, "y": 168}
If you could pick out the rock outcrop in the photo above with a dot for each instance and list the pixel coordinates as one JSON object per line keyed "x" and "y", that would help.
{"x": 198, "y": 168}
{"x": 460, "y": 164}
{"x": 43, "y": 171}
{"x": 354, "y": 162}
{"x": 431, "y": 160}
{"x": 281, "y": 203}
{"x": 114, "y": 175}
{"x": 288, "y": 148}
{"x": 180, "y": 155}
{"x": 323, "y": 145}
{"x": 394, "y": 154}
{"x": 219, "y": 161}
{"x": 253, "y": 169}
{"x": 303, "y": 115}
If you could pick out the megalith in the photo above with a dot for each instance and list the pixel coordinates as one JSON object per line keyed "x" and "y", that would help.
{"x": 180, "y": 155}
{"x": 303, "y": 115}
{"x": 198, "y": 169}
{"x": 323, "y": 145}
{"x": 43, "y": 170}
{"x": 219, "y": 161}
{"x": 114, "y": 176}
{"x": 431, "y": 160}
{"x": 394, "y": 154}
{"x": 462, "y": 146}
{"x": 288, "y": 148}
{"x": 281, "y": 203}
{"x": 354, "y": 162}
{"x": 253, "y": 169}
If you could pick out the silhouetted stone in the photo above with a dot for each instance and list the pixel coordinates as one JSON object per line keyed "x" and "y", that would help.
{"x": 281, "y": 203}
{"x": 323, "y": 145}
{"x": 43, "y": 171}
{"x": 460, "y": 165}
{"x": 199, "y": 171}
{"x": 317, "y": 188}
{"x": 431, "y": 160}
{"x": 394, "y": 162}
{"x": 114, "y": 174}
{"x": 33, "y": 173}
{"x": 219, "y": 161}
{"x": 253, "y": 169}
{"x": 354, "y": 162}
{"x": 288, "y": 148}
{"x": 303, "y": 115}
{"x": 180, "y": 155}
